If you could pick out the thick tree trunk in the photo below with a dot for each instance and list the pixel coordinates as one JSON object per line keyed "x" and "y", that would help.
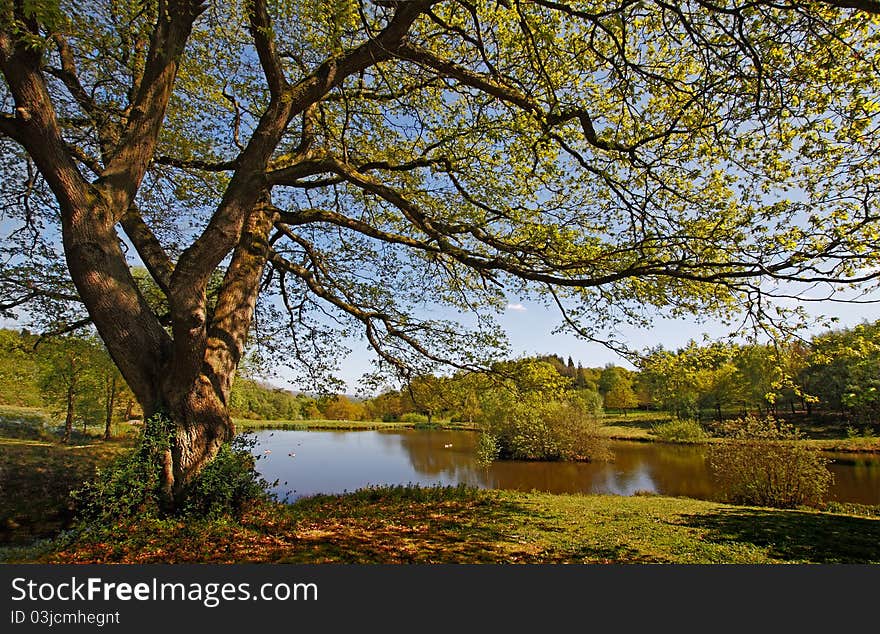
{"x": 198, "y": 406}
{"x": 201, "y": 424}
{"x": 132, "y": 334}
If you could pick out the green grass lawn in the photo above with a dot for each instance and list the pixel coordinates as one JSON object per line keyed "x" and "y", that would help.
{"x": 396, "y": 525}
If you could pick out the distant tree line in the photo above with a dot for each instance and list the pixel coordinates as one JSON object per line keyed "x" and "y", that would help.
{"x": 835, "y": 376}
{"x": 261, "y": 401}
{"x": 465, "y": 396}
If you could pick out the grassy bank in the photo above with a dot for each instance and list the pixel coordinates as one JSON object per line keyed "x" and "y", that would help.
{"x": 245, "y": 424}
{"x": 399, "y": 525}
{"x": 634, "y": 426}
{"x": 639, "y": 426}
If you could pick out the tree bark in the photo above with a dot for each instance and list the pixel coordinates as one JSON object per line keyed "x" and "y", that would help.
{"x": 201, "y": 424}
{"x": 198, "y": 408}
{"x": 109, "y": 403}
{"x": 68, "y": 419}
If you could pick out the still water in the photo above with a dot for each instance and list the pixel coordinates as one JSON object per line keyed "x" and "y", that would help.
{"x": 310, "y": 462}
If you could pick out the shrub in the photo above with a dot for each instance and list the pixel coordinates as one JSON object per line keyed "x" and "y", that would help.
{"x": 763, "y": 464}
{"x": 130, "y": 488}
{"x": 228, "y": 484}
{"x": 525, "y": 427}
{"x": 413, "y": 417}
{"x": 679, "y": 430}
{"x": 487, "y": 449}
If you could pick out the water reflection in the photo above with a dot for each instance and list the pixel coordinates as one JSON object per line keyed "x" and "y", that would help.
{"x": 309, "y": 462}
{"x": 856, "y": 475}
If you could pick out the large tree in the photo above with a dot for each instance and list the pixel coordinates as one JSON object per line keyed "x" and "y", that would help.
{"x": 347, "y": 161}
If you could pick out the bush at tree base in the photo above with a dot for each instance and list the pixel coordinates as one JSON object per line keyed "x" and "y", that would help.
{"x": 764, "y": 463}
{"x": 131, "y": 486}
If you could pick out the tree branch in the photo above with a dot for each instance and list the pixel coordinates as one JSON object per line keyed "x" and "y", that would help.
{"x": 149, "y": 248}
{"x": 224, "y": 228}
{"x": 261, "y": 31}
{"x": 237, "y": 296}
{"x": 62, "y": 330}
{"x": 320, "y": 162}
{"x": 10, "y": 127}
{"x": 197, "y": 164}
{"x": 512, "y": 96}
{"x": 371, "y": 318}
{"x": 70, "y": 77}
{"x": 125, "y": 170}
{"x": 309, "y": 216}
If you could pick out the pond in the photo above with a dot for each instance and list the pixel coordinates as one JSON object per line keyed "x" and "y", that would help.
{"x": 310, "y": 462}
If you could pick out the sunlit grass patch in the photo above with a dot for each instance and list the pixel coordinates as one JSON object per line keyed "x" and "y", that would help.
{"x": 411, "y": 524}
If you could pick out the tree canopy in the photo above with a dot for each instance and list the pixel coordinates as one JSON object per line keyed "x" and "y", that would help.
{"x": 341, "y": 164}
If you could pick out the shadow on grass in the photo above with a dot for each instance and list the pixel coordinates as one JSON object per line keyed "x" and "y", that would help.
{"x": 795, "y": 536}
{"x": 411, "y": 525}
{"x": 389, "y": 525}
{"x": 36, "y": 478}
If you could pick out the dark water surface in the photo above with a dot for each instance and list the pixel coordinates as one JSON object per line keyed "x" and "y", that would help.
{"x": 310, "y": 462}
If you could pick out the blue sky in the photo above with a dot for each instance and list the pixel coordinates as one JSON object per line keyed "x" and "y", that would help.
{"x": 529, "y": 327}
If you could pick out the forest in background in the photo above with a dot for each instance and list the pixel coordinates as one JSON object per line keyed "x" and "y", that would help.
{"x": 833, "y": 378}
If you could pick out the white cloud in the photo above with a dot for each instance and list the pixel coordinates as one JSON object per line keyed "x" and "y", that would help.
{"x": 517, "y": 307}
